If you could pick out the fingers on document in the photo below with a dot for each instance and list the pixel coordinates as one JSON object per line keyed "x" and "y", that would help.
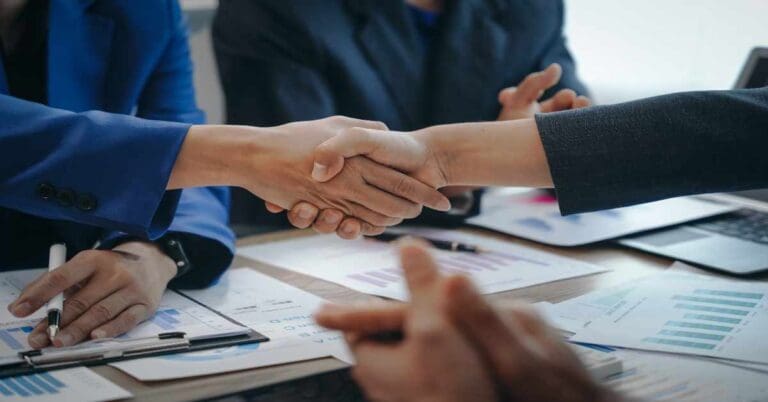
{"x": 48, "y": 285}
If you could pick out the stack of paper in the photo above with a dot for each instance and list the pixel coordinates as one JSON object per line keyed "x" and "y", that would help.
{"x": 273, "y": 308}
{"x": 373, "y": 267}
{"x": 721, "y": 324}
{"x": 535, "y": 215}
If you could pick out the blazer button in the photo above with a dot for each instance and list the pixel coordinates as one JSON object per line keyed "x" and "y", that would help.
{"x": 65, "y": 197}
{"x": 46, "y": 191}
{"x": 86, "y": 202}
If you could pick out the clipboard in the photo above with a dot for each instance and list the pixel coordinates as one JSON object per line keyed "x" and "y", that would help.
{"x": 110, "y": 350}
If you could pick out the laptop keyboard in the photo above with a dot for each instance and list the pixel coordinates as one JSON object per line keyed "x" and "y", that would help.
{"x": 744, "y": 224}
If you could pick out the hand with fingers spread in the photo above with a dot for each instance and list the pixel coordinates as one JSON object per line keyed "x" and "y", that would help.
{"x": 108, "y": 293}
{"x": 429, "y": 360}
{"x": 522, "y": 102}
{"x": 521, "y": 356}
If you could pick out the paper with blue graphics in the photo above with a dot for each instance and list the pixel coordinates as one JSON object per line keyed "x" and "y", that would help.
{"x": 68, "y": 385}
{"x": 273, "y": 308}
{"x": 686, "y": 314}
{"x": 373, "y": 267}
{"x": 176, "y": 313}
{"x": 535, "y": 215}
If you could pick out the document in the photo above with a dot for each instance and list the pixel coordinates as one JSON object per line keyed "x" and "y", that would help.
{"x": 69, "y": 385}
{"x": 686, "y": 314}
{"x": 176, "y": 313}
{"x": 373, "y": 267}
{"x": 535, "y": 215}
{"x": 271, "y": 307}
{"x": 658, "y": 377}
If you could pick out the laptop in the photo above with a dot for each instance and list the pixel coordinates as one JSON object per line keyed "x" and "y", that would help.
{"x": 737, "y": 242}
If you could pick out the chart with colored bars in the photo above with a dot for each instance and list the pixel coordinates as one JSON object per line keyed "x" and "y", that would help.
{"x": 536, "y": 215}
{"x": 78, "y": 384}
{"x": 688, "y": 314}
{"x": 13, "y": 337}
{"x": 178, "y": 313}
{"x": 373, "y": 267}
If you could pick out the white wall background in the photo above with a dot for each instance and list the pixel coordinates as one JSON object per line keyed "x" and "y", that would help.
{"x": 624, "y": 49}
{"x": 631, "y": 49}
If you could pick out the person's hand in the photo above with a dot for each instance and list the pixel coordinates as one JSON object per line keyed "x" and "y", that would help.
{"x": 523, "y": 101}
{"x": 108, "y": 293}
{"x": 431, "y": 361}
{"x": 280, "y": 174}
{"x": 527, "y": 357}
{"x": 527, "y": 361}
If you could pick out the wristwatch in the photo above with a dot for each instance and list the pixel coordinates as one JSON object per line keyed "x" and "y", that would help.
{"x": 171, "y": 246}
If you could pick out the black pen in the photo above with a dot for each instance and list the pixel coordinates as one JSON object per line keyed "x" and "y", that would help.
{"x": 447, "y": 245}
{"x": 56, "y": 258}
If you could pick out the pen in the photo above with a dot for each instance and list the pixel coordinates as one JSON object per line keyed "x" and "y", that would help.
{"x": 436, "y": 243}
{"x": 56, "y": 258}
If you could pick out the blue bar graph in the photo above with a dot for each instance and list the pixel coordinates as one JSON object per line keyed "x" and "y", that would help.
{"x": 710, "y": 309}
{"x": 690, "y": 334}
{"x": 676, "y": 342}
{"x": 712, "y": 300}
{"x": 30, "y": 385}
{"x": 695, "y": 325}
{"x": 742, "y": 295}
{"x": 713, "y": 318}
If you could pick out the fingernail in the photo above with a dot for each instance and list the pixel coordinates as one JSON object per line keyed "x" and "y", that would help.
{"x": 63, "y": 340}
{"x": 332, "y": 218}
{"x": 304, "y": 213}
{"x": 319, "y": 171}
{"x": 444, "y": 205}
{"x": 21, "y": 309}
{"x": 348, "y": 229}
{"x": 98, "y": 334}
{"x": 38, "y": 340}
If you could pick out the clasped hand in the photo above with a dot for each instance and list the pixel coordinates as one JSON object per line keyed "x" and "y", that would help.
{"x": 420, "y": 154}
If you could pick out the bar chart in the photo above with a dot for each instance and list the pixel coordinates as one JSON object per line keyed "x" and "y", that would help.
{"x": 374, "y": 267}
{"x": 688, "y": 314}
{"x": 31, "y": 385}
{"x": 76, "y": 384}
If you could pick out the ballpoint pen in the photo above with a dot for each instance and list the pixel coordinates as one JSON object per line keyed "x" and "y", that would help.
{"x": 439, "y": 244}
{"x": 56, "y": 258}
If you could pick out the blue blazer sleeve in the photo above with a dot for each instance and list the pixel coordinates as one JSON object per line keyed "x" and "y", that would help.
{"x": 202, "y": 214}
{"x": 673, "y": 145}
{"x": 51, "y": 158}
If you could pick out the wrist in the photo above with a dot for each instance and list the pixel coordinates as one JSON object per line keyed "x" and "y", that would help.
{"x": 213, "y": 156}
{"x": 166, "y": 267}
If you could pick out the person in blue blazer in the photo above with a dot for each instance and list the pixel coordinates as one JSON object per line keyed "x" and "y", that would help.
{"x": 97, "y": 121}
{"x": 408, "y": 63}
{"x": 122, "y": 57}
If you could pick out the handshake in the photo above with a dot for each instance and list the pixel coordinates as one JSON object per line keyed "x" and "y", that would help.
{"x": 355, "y": 177}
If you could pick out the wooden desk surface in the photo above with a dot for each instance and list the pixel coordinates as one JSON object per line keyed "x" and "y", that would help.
{"x": 625, "y": 264}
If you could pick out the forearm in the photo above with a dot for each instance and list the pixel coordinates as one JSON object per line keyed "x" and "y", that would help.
{"x": 490, "y": 154}
{"x": 215, "y": 155}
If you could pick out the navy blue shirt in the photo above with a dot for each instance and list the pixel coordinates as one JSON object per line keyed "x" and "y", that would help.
{"x": 426, "y": 25}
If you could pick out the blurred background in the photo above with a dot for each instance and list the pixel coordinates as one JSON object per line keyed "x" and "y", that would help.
{"x": 624, "y": 50}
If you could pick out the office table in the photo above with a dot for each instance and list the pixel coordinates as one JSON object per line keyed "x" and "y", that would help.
{"x": 626, "y": 264}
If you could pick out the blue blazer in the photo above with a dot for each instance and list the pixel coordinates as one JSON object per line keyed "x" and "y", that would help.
{"x": 67, "y": 172}
{"x": 282, "y": 61}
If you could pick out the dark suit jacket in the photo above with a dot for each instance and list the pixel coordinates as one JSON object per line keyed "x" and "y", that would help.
{"x": 672, "y": 145}
{"x": 282, "y": 61}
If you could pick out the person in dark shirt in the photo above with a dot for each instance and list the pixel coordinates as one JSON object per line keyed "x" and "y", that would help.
{"x": 409, "y": 64}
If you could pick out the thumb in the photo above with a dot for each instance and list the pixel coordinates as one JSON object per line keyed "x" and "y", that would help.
{"x": 330, "y": 155}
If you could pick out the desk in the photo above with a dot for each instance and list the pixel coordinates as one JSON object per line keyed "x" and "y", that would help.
{"x": 626, "y": 264}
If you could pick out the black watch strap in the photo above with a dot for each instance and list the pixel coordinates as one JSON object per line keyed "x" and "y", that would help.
{"x": 172, "y": 247}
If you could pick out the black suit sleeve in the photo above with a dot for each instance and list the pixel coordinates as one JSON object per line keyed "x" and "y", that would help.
{"x": 687, "y": 143}
{"x": 263, "y": 69}
{"x": 557, "y": 52}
